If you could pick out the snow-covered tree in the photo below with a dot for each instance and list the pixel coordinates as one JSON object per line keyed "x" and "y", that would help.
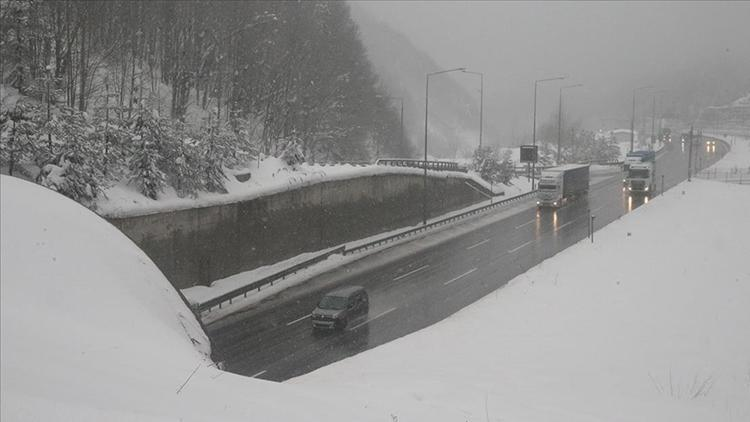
{"x": 18, "y": 133}
{"x": 291, "y": 152}
{"x": 145, "y": 173}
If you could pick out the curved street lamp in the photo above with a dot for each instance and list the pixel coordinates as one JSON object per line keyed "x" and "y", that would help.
{"x": 426, "y": 106}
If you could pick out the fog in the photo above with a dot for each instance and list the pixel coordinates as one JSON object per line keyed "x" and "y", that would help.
{"x": 694, "y": 54}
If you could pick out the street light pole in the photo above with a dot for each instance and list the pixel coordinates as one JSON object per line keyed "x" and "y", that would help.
{"x": 653, "y": 117}
{"x": 533, "y": 130}
{"x": 632, "y": 118}
{"x": 559, "y": 119}
{"x": 481, "y": 101}
{"x": 426, "y": 106}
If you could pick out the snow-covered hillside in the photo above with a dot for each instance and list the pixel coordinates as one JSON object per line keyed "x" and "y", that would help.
{"x": 92, "y": 331}
{"x": 649, "y": 323}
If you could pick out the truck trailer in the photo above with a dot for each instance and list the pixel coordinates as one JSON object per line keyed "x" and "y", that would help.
{"x": 560, "y": 184}
{"x": 635, "y": 157}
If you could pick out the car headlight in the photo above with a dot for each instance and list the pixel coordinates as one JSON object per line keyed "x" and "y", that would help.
{"x": 646, "y": 188}
{"x": 630, "y": 188}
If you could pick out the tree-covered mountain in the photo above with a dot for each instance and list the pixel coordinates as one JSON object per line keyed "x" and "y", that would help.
{"x": 181, "y": 81}
{"x": 454, "y": 109}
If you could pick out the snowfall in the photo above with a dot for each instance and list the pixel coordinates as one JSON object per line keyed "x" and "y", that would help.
{"x": 650, "y": 322}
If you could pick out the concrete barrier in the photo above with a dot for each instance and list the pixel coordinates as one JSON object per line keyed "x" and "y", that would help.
{"x": 200, "y": 245}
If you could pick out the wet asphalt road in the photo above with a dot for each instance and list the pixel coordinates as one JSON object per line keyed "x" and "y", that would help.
{"x": 412, "y": 288}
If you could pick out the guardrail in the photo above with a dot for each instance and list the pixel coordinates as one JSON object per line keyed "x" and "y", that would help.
{"x": 269, "y": 280}
{"x": 431, "y": 165}
{"x": 443, "y": 221}
{"x": 735, "y": 175}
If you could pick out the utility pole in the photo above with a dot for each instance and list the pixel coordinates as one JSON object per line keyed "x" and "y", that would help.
{"x": 690, "y": 152}
{"x": 533, "y": 131}
{"x": 481, "y": 101}
{"x": 559, "y": 118}
{"x": 632, "y": 118}
{"x": 653, "y": 121}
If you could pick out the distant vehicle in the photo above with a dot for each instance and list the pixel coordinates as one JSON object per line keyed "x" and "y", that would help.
{"x": 710, "y": 146}
{"x": 560, "y": 184}
{"x": 638, "y": 157}
{"x": 337, "y": 308}
{"x": 666, "y": 135}
{"x": 641, "y": 179}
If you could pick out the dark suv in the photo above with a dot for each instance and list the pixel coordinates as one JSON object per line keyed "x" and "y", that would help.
{"x": 339, "y": 307}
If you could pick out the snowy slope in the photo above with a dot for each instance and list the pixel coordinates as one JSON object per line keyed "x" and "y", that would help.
{"x": 271, "y": 176}
{"x": 650, "y": 323}
{"x": 92, "y": 331}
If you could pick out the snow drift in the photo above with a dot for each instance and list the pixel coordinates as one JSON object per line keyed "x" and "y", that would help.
{"x": 91, "y": 330}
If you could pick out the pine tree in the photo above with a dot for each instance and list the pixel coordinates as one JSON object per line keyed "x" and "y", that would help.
{"x": 145, "y": 173}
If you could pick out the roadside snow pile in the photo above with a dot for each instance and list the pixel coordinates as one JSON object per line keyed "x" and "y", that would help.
{"x": 92, "y": 331}
{"x": 650, "y": 323}
{"x": 738, "y": 157}
{"x": 271, "y": 176}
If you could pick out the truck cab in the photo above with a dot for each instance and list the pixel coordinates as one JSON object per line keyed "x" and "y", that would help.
{"x": 560, "y": 184}
{"x": 640, "y": 179}
{"x": 549, "y": 192}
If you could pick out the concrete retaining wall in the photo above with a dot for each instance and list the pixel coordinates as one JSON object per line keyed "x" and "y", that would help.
{"x": 197, "y": 246}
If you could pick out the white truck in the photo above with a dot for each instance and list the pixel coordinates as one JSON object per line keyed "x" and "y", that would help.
{"x": 560, "y": 184}
{"x": 640, "y": 179}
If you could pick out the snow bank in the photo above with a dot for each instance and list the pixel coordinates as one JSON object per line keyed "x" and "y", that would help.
{"x": 271, "y": 176}
{"x": 738, "y": 157}
{"x": 92, "y": 331}
{"x": 648, "y": 323}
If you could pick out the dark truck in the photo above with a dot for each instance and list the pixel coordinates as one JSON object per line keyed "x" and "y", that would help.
{"x": 560, "y": 184}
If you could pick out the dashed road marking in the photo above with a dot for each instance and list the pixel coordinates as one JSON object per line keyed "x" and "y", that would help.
{"x": 563, "y": 226}
{"x": 259, "y": 374}
{"x": 477, "y": 244}
{"x": 298, "y": 320}
{"x": 526, "y": 224}
{"x": 521, "y": 246}
{"x": 459, "y": 277}
{"x": 372, "y": 319}
{"x": 410, "y": 272}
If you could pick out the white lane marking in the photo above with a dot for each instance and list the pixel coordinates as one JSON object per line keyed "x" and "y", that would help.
{"x": 459, "y": 277}
{"x": 477, "y": 244}
{"x": 561, "y": 227}
{"x": 298, "y": 320}
{"x": 525, "y": 244}
{"x": 410, "y": 272}
{"x": 259, "y": 374}
{"x": 526, "y": 223}
{"x": 372, "y": 319}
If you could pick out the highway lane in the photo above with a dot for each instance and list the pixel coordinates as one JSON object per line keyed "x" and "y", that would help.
{"x": 414, "y": 289}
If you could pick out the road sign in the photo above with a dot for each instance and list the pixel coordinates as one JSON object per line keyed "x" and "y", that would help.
{"x": 529, "y": 153}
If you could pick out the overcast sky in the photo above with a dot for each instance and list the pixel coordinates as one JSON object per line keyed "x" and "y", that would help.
{"x": 609, "y": 47}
